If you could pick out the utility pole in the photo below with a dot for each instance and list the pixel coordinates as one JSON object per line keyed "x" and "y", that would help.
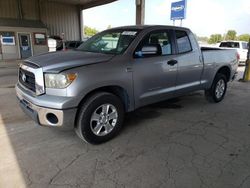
{"x": 140, "y": 12}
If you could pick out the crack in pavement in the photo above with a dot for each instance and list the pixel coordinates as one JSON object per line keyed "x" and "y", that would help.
{"x": 61, "y": 169}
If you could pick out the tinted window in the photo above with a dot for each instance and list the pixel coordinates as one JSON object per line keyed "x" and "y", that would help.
{"x": 183, "y": 42}
{"x": 245, "y": 45}
{"x": 78, "y": 44}
{"x": 72, "y": 44}
{"x": 230, "y": 45}
{"x": 161, "y": 39}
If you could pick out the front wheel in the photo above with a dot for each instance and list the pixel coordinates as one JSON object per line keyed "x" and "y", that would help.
{"x": 100, "y": 118}
{"x": 218, "y": 89}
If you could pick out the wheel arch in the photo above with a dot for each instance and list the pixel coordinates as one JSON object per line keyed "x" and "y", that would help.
{"x": 114, "y": 89}
{"x": 225, "y": 70}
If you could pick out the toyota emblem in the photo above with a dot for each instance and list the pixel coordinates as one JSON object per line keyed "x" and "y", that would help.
{"x": 24, "y": 78}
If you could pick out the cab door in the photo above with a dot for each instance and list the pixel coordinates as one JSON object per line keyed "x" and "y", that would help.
{"x": 154, "y": 75}
{"x": 190, "y": 64}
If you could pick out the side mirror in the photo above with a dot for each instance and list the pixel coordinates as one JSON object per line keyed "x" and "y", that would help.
{"x": 147, "y": 51}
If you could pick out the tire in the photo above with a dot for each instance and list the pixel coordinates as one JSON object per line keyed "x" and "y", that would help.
{"x": 94, "y": 123}
{"x": 213, "y": 95}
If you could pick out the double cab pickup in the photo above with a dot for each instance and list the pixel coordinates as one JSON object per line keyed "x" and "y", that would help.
{"x": 117, "y": 71}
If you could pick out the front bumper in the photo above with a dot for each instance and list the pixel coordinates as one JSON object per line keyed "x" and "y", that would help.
{"x": 242, "y": 62}
{"x": 64, "y": 118}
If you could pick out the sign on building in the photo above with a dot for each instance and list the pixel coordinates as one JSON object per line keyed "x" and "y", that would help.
{"x": 178, "y": 10}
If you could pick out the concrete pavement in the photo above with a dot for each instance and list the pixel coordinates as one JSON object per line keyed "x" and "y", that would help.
{"x": 185, "y": 142}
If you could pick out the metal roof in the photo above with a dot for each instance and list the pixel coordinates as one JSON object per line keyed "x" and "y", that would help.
{"x": 84, "y": 4}
{"x": 10, "y": 22}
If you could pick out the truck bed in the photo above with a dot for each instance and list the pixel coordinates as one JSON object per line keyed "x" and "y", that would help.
{"x": 219, "y": 55}
{"x": 213, "y": 56}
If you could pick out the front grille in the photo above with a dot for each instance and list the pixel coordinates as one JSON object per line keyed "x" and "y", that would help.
{"x": 27, "y": 79}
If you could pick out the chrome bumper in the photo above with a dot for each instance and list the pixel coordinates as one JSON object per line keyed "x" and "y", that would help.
{"x": 64, "y": 118}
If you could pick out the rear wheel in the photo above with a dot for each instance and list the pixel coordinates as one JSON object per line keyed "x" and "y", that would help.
{"x": 218, "y": 89}
{"x": 100, "y": 118}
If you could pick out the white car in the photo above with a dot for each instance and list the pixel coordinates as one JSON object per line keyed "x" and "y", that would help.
{"x": 240, "y": 46}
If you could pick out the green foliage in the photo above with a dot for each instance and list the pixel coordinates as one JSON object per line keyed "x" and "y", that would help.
{"x": 202, "y": 39}
{"x": 215, "y": 38}
{"x": 231, "y": 35}
{"x": 244, "y": 37}
{"x": 90, "y": 31}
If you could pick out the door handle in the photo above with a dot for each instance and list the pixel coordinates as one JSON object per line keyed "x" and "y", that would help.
{"x": 172, "y": 62}
{"x": 196, "y": 66}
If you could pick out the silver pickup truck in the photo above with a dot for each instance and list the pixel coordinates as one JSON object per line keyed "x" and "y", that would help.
{"x": 118, "y": 71}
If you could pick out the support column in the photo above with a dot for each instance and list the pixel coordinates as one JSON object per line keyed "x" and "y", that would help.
{"x": 81, "y": 25}
{"x": 140, "y": 12}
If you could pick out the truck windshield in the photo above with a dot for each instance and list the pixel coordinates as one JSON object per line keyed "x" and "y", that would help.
{"x": 109, "y": 42}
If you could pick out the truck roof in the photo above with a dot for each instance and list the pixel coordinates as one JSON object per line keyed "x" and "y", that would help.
{"x": 142, "y": 27}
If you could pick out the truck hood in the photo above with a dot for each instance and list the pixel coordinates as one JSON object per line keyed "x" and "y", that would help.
{"x": 59, "y": 61}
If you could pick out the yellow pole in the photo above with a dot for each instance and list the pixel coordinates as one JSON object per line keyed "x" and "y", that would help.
{"x": 246, "y": 76}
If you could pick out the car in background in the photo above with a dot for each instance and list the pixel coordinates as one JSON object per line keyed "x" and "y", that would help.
{"x": 70, "y": 45}
{"x": 240, "y": 46}
{"x": 58, "y": 39}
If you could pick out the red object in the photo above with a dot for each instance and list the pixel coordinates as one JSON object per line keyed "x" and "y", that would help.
{"x": 238, "y": 56}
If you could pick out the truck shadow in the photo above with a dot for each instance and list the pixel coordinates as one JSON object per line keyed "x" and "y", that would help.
{"x": 61, "y": 152}
{"x": 150, "y": 112}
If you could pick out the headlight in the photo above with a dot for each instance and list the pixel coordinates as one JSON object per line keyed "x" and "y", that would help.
{"x": 59, "y": 81}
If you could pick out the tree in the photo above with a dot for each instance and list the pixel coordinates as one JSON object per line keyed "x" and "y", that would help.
{"x": 109, "y": 27}
{"x": 244, "y": 37}
{"x": 215, "y": 38}
{"x": 202, "y": 39}
{"x": 90, "y": 31}
{"x": 231, "y": 35}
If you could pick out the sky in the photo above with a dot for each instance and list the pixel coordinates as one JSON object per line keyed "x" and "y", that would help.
{"x": 203, "y": 17}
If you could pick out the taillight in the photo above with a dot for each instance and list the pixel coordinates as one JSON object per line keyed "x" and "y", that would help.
{"x": 238, "y": 56}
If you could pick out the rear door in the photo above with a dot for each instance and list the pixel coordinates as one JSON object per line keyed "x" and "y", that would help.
{"x": 154, "y": 79}
{"x": 190, "y": 65}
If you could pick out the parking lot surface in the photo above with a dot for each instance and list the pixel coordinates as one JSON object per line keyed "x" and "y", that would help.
{"x": 183, "y": 143}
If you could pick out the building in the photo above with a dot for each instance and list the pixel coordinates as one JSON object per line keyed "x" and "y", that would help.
{"x": 26, "y": 24}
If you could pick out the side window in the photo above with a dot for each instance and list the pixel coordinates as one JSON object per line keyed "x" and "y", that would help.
{"x": 183, "y": 42}
{"x": 245, "y": 45}
{"x": 161, "y": 39}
